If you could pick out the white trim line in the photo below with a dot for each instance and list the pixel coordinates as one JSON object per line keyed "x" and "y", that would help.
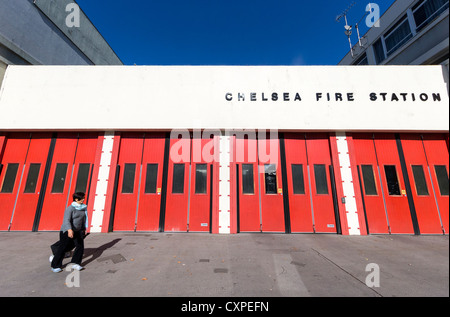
{"x": 102, "y": 182}
{"x": 351, "y": 209}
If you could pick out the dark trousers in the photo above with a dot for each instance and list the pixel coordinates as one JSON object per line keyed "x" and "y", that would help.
{"x": 64, "y": 243}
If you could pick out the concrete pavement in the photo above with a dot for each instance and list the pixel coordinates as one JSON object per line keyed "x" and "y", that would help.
{"x": 243, "y": 265}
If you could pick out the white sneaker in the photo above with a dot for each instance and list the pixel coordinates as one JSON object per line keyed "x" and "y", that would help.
{"x": 56, "y": 270}
{"x": 77, "y": 267}
{"x": 51, "y": 258}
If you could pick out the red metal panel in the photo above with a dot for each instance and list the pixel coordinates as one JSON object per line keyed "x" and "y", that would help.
{"x": 177, "y": 203}
{"x": 300, "y": 203}
{"x": 245, "y": 152}
{"x": 199, "y": 207}
{"x": 397, "y": 206}
{"x": 272, "y": 208}
{"x": 131, "y": 146}
{"x": 25, "y": 210}
{"x": 318, "y": 149}
{"x": 15, "y": 152}
{"x": 436, "y": 149}
{"x": 375, "y": 211}
{"x": 426, "y": 209}
{"x": 55, "y": 203}
{"x": 150, "y": 203}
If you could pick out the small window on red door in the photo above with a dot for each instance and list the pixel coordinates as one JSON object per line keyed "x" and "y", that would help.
{"x": 200, "y": 178}
{"x": 33, "y": 175}
{"x": 419, "y": 179}
{"x": 10, "y": 178}
{"x": 320, "y": 174}
{"x": 392, "y": 180}
{"x": 298, "y": 182}
{"x": 247, "y": 179}
{"x": 60, "y": 178}
{"x": 442, "y": 177}
{"x": 370, "y": 187}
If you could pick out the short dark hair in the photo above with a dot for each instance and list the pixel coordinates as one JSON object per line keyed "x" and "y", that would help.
{"x": 78, "y": 196}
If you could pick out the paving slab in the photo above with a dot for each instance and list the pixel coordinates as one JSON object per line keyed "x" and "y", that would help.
{"x": 242, "y": 265}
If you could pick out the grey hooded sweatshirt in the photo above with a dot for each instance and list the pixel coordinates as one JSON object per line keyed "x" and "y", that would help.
{"x": 75, "y": 217}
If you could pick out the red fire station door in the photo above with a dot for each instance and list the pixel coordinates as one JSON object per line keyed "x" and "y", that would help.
{"x": 25, "y": 159}
{"x": 176, "y": 213}
{"x": 151, "y": 183}
{"x": 70, "y": 171}
{"x": 385, "y": 197}
{"x": 12, "y": 166}
{"x": 427, "y": 165}
{"x": 200, "y": 212}
{"x": 138, "y": 199}
{"x": 436, "y": 149}
{"x": 260, "y": 207}
{"x": 298, "y": 183}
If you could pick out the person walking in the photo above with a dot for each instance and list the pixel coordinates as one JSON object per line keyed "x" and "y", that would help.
{"x": 73, "y": 229}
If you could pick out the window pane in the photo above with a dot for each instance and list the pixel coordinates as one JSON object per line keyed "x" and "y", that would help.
{"x": 321, "y": 179}
{"x": 392, "y": 180}
{"x": 270, "y": 178}
{"x": 60, "y": 178}
{"x": 178, "y": 179}
{"x": 10, "y": 178}
{"x": 151, "y": 178}
{"x": 33, "y": 174}
{"x": 426, "y": 11}
{"x": 83, "y": 177}
{"x": 379, "y": 52}
{"x": 297, "y": 179}
{"x": 129, "y": 173}
{"x": 399, "y": 36}
{"x": 442, "y": 177}
{"x": 247, "y": 179}
{"x": 370, "y": 187}
{"x": 200, "y": 178}
{"x": 419, "y": 178}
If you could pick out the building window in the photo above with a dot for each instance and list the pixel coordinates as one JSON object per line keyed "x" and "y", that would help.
{"x": 320, "y": 174}
{"x": 33, "y": 175}
{"x": 362, "y": 60}
{"x": 370, "y": 186}
{"x": 129, "y": 173}
{"x": 427, "y": 10}
{"x": 270, "y": 178}
{"x": 60, "y": 178}
{"x": 178, "y": 179}
{"x": 201, "y": 171}
{"x": 392, "y": 180}
{"x": 10, "y": 178}
{"x": 297, "y": 179}
{"x": 247, "y": 179}
{"x": 151, "y": 178}
{"x": 379, "y": 51}
{"x": 398, "y": 35}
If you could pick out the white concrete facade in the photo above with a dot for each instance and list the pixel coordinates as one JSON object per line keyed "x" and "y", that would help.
{"x": 313, "y": 98}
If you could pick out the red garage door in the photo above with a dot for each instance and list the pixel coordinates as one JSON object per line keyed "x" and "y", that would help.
{"x": 70, "y": 171}
{"x": 385, "y": 191}
{"x": 308, "y": 164}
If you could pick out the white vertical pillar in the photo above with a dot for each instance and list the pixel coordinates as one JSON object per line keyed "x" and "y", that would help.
{"x": 102, "y": 183}
{"x": 224, "y": 184}
{"x": 351, "y": 209}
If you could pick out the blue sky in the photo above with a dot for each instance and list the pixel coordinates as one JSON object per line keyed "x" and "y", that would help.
{"x": 226, "y": 32}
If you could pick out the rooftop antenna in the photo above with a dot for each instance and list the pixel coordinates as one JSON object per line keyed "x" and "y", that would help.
{"x": 348, "y": 28}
